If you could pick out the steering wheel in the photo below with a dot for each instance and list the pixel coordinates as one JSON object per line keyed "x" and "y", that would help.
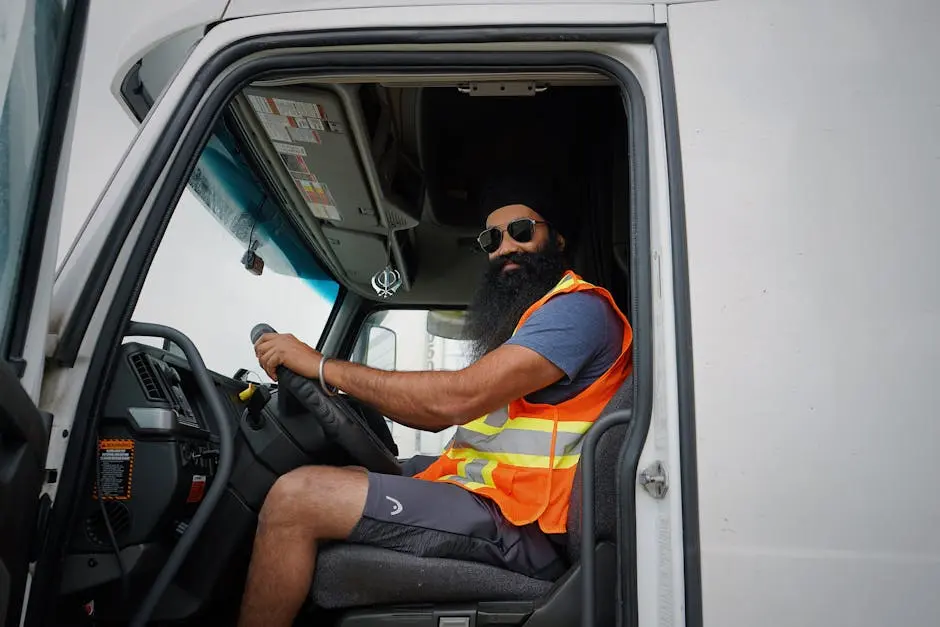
{"x": 341, "y": 423}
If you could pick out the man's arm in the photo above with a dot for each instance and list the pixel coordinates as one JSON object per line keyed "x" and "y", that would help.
{"x": 440, "y": 399}
{"x": 422, "y": 400}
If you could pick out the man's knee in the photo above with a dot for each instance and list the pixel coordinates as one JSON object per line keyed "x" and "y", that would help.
{"x": 314, "y": 496}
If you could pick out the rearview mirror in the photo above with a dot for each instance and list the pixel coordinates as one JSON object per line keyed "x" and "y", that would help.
{"x": 447, "y": 324}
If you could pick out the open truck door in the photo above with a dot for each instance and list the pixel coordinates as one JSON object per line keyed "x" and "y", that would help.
{"x": 40, "y": 45}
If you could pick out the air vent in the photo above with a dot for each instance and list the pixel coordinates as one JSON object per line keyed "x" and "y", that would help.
{"x": 147, "y": 376}
{"x": 397, "y": 219}
{"x": 97, "y": 532}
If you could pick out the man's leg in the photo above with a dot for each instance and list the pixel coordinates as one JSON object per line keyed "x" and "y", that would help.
{"x": 304, "y": 506}
{"x": 436, "y": 519}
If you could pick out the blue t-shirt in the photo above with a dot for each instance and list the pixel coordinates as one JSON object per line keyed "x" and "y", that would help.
{"x": 580, "y": 333}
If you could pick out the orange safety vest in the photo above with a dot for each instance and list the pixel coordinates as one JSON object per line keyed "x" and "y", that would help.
{"x": 524, "y": 456}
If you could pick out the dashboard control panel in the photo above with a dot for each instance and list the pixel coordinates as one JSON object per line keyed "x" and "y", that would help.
{"x": 156, "y": 458}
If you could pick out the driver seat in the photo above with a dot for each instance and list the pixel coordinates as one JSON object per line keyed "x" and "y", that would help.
{"x": 366, "y": 585}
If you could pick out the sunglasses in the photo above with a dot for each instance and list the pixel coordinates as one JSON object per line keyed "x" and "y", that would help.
{"x": 521, "y": 229}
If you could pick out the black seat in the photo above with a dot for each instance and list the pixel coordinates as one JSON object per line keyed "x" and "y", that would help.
{"x": 375, "y": 581}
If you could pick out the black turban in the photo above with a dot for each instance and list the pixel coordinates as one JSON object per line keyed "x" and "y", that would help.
{"x": 536, "y": 191}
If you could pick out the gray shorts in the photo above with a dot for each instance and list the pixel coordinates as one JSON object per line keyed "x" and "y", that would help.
{"x": 435, "y": 519}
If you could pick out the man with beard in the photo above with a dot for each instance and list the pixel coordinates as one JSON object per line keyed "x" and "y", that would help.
{"x": 550, "y": 351}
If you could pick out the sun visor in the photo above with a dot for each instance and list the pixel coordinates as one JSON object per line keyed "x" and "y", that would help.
{"x": 318, "y": 143}
{"x": 361, "y": 254}
{"x": 311, "y": 135}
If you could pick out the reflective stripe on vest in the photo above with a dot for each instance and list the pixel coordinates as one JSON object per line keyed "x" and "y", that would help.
{"x": 525, "y": 441}
{"x": 524, "y": 456}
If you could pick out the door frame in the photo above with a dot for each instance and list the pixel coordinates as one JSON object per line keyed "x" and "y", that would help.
{"x": 682, "y": 310}
{"x": 24, "y": 429}
{"x": 49, "y": 151}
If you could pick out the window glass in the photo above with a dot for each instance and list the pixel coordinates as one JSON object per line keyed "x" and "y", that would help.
{"x": 32, "y": 38}
{"x": 413, "y": 339}
{"x": 230, "y": 260}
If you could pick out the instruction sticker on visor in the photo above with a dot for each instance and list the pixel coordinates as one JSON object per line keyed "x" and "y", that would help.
{"x": 296, "y": 165}
{"x": 277, "y": 132}
{"x": 319, "y": 199}
{"x": 303, "y": 135}
{"x": 290, "y": 149}
{"x": 115, "y": 469}
{"x": 286, "y": 107}
{"x": 260, "y": 105}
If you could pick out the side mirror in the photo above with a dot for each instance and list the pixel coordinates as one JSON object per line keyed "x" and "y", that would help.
{"x": 447, "y": 324}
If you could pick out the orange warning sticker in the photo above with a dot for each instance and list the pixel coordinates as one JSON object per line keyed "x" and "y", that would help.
{"x": 115, "y": 469}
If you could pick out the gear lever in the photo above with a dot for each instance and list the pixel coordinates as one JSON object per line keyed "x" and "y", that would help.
{"x": 287, "y": 404}
{"x": 259, "y": 330}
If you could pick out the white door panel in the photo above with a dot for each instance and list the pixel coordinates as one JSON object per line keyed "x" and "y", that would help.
{"x": 810, "y": 142}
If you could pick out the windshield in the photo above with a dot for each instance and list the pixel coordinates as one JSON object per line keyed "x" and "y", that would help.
{"x": 199, "y": 283}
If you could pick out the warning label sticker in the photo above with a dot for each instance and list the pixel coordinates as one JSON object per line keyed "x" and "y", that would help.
{"x": 287, "y": 107}
{"x": 273, "y": 119}
{"x": 197, "y": 489}
{"x": 290, "y": 149}
{"x": 293, "y": 121}
{"x": 116, "y": 469}
{"x": 287, "y": 128}
{"x": 319, "y": 199}
{"x": 304, "y": 135}
{"x": 296, "y": 165}
{"x": 259, "y": 104}
{"x": 277, "y": 132}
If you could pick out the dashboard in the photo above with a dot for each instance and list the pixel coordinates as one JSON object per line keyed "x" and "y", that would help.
{"x": 158, "y": 452}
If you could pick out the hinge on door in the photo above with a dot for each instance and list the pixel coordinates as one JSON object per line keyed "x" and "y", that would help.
{"x": 655, "y": 480}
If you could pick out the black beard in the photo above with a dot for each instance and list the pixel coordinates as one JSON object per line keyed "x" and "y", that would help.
{"x": 503, "y": 297}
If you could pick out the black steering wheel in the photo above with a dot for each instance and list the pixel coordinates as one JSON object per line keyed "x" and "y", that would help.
{"x": 342, "y": 424}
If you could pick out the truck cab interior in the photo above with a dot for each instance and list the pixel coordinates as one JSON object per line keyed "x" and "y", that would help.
{"x": 361, "y": 191}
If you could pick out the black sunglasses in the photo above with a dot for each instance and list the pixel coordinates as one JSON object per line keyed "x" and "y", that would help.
{"x": 521, "y": 229}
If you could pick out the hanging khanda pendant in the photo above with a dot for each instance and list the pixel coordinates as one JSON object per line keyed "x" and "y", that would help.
{"x": 386, "y": 282}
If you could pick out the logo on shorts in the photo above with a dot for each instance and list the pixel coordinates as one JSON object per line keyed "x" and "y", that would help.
{"x": 396, "y": 509}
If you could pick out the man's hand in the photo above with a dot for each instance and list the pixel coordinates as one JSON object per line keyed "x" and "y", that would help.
{"x": 283, "y": 349}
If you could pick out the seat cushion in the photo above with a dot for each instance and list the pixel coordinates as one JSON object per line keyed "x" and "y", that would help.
{"x": 352, "y": 575}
